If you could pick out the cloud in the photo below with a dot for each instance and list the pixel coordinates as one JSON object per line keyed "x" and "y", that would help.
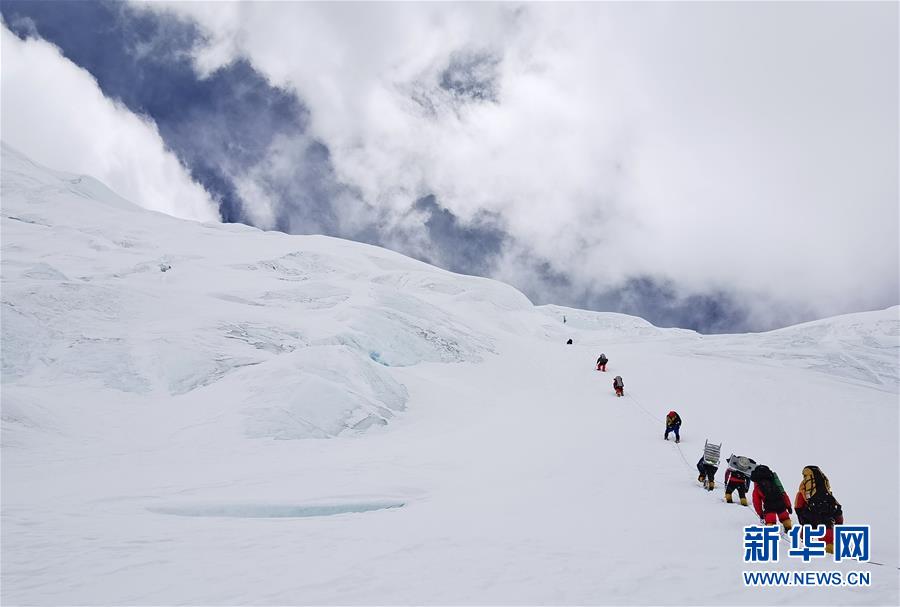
{"x": 470, "y": 249}
{"x": 471, "y": 76}
{"x": 714, "y": 166}
{"x": 745, "y": 150}
{"x": 54, "y": 112}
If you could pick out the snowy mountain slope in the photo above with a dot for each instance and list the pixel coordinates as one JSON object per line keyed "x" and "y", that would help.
{"x": 196, "y": 309}
{"x": 148, "y": 364}
{"x": 858, "y": 347}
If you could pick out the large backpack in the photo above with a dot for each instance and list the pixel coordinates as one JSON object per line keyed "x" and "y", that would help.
{"x": 743, "y": 465}
{"x": 822, "y": 507}
{"x": 617, "y": 382}
{"x": 772, "y": 490}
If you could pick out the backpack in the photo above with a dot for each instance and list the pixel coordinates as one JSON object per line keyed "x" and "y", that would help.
{"x": 617, "y": 382}
{"x": 760, "y": 472}
{"x": 742, "y": 464}
{"x": 821, "y": 506}
{"x": 771, "y": 488}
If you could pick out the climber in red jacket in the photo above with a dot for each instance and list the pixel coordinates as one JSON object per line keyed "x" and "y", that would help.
{"x": 770, "y": 500}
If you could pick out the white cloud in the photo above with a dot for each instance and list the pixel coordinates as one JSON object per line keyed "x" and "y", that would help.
{"x": 54, "y": 112}
{"x": 750, "y": 147}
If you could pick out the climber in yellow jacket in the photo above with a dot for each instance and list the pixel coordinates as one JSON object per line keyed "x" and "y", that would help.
{"x": 815, "y": 505}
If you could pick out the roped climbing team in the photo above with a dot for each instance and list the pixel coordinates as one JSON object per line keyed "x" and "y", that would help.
{"x": 814, "y": 503}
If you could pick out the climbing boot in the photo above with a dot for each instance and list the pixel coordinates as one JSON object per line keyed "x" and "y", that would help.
{"x": 829, "y": 548}
{"x": 700, "y": 478}
{"x": 744, "y": 501}
{"x": 711, "y": 485}
{"x": 787, "y": 523}
{"x": 728, "y": 498}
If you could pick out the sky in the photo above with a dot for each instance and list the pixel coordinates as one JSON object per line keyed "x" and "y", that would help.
{"x": 724, "y": 167}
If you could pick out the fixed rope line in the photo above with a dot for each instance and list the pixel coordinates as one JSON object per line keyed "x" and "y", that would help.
{"x": 678, "y": 447}
{"x": 686, "y": 463}
{"x": 655, "y": 419}
{"x": 641, "y": 407}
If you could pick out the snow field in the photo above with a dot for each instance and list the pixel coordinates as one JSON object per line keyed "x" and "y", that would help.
{"x": 304, "y": 420}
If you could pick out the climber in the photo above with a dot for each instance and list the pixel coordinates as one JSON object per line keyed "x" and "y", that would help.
{"x": 601, "y": 362}
{"x": 673, "y": 424}
{"x": 817, "y": 506}
{"x": 707, "y": 473}
{"x": 619, "y": 385}
{"x": 769, "y": 498}
{"x": 737, "y": 476}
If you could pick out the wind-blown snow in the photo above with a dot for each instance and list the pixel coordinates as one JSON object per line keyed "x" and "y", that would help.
{"x": 162, "y": 380}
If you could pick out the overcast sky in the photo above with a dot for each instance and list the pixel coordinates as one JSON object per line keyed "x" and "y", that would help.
{"x": 718, "y": 166}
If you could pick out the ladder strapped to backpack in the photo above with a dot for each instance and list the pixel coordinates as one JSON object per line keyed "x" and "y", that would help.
{"x": 741, "y": 464}
{"x": 711, "y": 453}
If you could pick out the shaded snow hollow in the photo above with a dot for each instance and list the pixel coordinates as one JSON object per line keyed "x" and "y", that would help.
{"x": 161, "y": 380}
